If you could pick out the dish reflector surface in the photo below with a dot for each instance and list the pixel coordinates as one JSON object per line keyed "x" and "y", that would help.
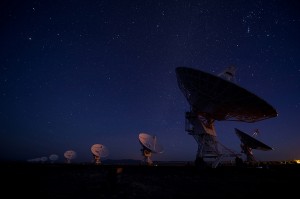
{"x": 53, "y": 157}
{"x": 99, "y": 150}
{"x": 150, "y": 142}
{"x": 251, "y": 141}
{"x": 70, "y": 154}
{"x": 214, "y": 97}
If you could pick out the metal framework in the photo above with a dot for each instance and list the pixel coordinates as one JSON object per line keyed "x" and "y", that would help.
{"x": 147, "y": 156}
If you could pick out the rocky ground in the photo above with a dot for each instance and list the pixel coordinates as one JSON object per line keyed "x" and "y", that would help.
{"x": 128, "y": 181}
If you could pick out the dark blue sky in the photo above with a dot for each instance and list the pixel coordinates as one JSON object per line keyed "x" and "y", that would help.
{"x": 76, "y": 73}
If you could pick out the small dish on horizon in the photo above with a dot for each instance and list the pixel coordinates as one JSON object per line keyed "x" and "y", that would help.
{"x": 98, "y": 151}
{"x": 53, "y": 157}
{"x": 149, "y": 145}
{"x": 69, "y": 155}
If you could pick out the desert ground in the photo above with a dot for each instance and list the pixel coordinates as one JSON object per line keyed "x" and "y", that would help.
{"x": 140, "y": 181}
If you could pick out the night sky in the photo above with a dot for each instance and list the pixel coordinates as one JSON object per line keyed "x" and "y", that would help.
{"x": 77, "y": 73}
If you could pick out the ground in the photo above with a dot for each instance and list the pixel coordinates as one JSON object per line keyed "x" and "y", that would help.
{"x": 140, "y": 181}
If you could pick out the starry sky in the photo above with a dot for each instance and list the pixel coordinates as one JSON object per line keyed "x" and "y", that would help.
{"x": 76, "y": 73}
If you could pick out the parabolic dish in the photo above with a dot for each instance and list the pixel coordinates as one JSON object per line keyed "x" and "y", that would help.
{"x": 251, "y": 141}
{"x": 70, "y": 154}
{"x": 150, "y": 142}
{"x": 219, "y": 99}
{"x": 99, "y": 150}
{"x": 44, "y": 159}
{"x": 53, "y": 157}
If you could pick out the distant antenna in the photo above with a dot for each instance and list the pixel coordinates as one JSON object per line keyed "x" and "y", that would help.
{"x": 69, "y": 155}
{"x": 248, "y": 143}
{"x": 53, "y": 158}
{"x": 149, "y": 145}
{"x": 34, "y": 160}
{"x": 99, "y": 151}
{"x": 255, "y": 133}
{"x": 44, "y": 159}
{"x": 228, "y": 73}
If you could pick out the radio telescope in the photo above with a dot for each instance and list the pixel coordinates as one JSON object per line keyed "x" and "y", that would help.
{"x": 53, "y": 158}
{"x": 44, "y": 159}
{"x": 216, "y": 98}
{"x": 149, "y": 146}
{"x": 99, "y": 151}
{"x": 69, "y": 155}
{"x": 34, "y": 160}
{"x": 40, "y": 159}
{"x": 248, "y": 143}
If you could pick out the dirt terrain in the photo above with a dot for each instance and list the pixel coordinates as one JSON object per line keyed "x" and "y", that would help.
{"x": 128, "y": 181}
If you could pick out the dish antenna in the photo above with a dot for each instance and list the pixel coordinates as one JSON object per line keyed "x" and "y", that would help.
{"x": 34, "y": 160}
{"x": 215, "y": 98}
{"x": 99, "y": 151}
{"x": 149, "y": 146}
{"x": 40, "y": 159}
{"x": 249, "y": 142}
{"x": 44, "y": 159}
{"x": 53, "y": 158}
{"x": 69, "y": 155}
{"x": 228, "y": 73}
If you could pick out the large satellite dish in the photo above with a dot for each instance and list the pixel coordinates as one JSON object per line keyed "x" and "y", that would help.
{"x": 99, "y": 151}
{"x": 219, "y": 99}
{"x": 248, "y": 143}
{"x": 214, "y": 98}
{"x": 69, "y": 155}
{"x": 149, "y": 145}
